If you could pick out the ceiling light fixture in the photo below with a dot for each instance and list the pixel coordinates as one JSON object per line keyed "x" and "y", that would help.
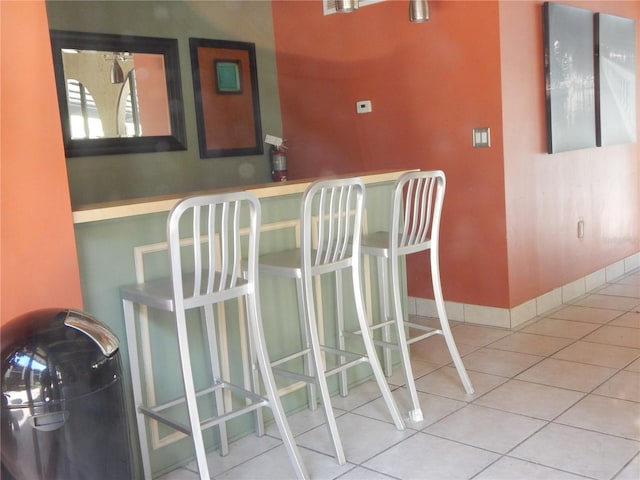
{"x": 117, "y": 75}
{"x": 346, "y": 6}
{"x": 418, "y": 11}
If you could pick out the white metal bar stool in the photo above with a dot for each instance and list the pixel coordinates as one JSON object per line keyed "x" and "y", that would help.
{"x": 207, "y": 270}
{"x": 416, "y": 208}
{"x": 331, "y": 217}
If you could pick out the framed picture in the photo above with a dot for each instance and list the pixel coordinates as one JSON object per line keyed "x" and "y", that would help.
{"x": 569, "y": 77}
{"x": 615, "y": 47}
{"x": 225, "y": 84}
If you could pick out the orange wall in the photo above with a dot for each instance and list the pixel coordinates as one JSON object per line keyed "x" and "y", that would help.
{"x": 547, "y": 194}
{"x": 511, "y": 211}
{"x": 429, "y": 84}
{"x": 38, "y": 263}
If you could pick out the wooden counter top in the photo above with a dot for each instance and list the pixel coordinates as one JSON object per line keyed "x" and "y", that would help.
{"x": 141, "y": 206}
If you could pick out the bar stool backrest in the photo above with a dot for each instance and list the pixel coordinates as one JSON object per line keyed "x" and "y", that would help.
{"x": 416, "y": 210}
{"x": 205, "y": 239}
{"x": 331, "y": 224}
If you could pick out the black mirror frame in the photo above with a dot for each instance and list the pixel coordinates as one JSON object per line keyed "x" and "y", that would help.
{"x": 121, "y": 43}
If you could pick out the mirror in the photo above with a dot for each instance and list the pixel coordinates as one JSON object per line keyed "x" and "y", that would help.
{"x": 118, "y": 94}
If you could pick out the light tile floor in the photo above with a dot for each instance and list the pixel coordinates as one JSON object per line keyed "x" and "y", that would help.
{"x": 558, "y": 398}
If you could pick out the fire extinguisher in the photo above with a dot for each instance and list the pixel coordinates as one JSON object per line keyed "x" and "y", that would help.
{"x": 278, "y": 163}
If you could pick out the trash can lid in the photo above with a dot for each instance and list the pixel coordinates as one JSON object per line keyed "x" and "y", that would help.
{"x": 53, "y": 355}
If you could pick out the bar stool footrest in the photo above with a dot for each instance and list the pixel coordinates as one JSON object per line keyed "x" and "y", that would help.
{"x": 356, "y": 358}
{"x": 294, "y": 375}
{"x": 429, "y": 332}
{"x": 379, "y": 343}
{"x": 256, "y": 400}
{"x": 372, "y": 328}
{"x": 291, "y": 357}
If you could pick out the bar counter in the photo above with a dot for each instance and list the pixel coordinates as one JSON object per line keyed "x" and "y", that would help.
{"x": 121, "y": 243}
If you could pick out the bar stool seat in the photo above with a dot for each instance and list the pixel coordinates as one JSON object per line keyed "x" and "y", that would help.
{"x": 208, "y": 268}
{"x": 331, "y": 216}
{"x": 414, "y": 226}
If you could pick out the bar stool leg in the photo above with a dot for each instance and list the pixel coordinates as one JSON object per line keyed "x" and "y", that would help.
{"x": 385, "y": 312}
{"x": 312, "y": 399}
{"x": 136, "y": 381}
{"x": 444, "y": 323}
{"x": 190, "y": 395}
{"x": 308, "y": 368}
{"x": 383, "y": 292}
{"x": 257, "y": 334}
{"x": 372, "y": 354}
{"x": 255, "y": 381}
{"x": 321, "y": 379}
{"x": 212, "y": 340}
{"x": 415, "y": 414}
{"x": 342, "y": 376}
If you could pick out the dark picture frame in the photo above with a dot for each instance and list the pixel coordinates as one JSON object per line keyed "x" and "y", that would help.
{"x": 569, "y": 77}
{"x": 227, "y": 108}
{"x": 615, "y": 59}
{"x": 166, "y": 48}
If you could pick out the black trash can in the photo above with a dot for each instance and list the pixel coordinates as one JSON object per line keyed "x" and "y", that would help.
{"x": 63, "y": 409}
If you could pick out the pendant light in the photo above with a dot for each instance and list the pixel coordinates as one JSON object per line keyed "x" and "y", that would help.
{"x": 346, "y": 6}
{"x": 418, "y": 11}
{"x": 117, "y": 75}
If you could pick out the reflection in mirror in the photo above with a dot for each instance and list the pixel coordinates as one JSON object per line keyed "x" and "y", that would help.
{"x": 118, "y": 94}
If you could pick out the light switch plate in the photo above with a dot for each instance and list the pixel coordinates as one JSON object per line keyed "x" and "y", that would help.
{"x": 363, "y": 106}
{"x": 482, "y": 137}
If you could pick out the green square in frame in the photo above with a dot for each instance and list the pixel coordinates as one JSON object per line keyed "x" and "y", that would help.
{"x": 228, "y": 76}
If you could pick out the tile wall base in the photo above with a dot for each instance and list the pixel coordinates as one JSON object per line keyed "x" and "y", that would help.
{"x": 516, "y": 316}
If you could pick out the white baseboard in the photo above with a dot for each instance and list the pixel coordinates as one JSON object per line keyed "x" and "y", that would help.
{"x": 513, "y": 317}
